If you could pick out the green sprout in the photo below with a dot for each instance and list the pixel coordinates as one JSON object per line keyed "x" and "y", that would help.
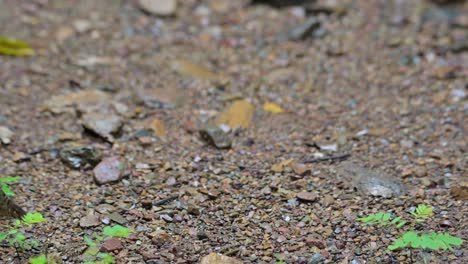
{"x": 117, "y": 231}
{"x": 422, "y": 212}
{"x": 4, "y": 183}
{"x": 382, "y": 219}
{"x": 42, "y": 259}
{"x": 18, "y": 239}
{"x": 94, "y": 245}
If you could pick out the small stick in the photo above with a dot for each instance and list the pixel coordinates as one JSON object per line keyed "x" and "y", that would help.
{"x": 165, "y": 201}
{"x": 329, "y": 158}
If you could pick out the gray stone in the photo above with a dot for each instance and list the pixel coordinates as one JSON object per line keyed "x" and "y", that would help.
{"x": 371, "y": 182}
{"x": 76, "y": 156}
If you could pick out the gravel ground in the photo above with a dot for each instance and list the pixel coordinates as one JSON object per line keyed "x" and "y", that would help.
{"x": 260, "y": 132}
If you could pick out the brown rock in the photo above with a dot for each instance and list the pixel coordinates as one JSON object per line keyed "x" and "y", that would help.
{"x": 160, "y": 237}
{"x": 109, "y": 170}
{"x": 319, "y": 243}
{"x": 420, "y": 171}
{"x": 300, "y": 169}
{"x": 306, "y": 196}
{"x": 460, "y": 190}
{"x": 89, "y": 221}
{"x": 111, "y": 245}
{"x": 215, "y": 258}
{"x": 328, "y": 200}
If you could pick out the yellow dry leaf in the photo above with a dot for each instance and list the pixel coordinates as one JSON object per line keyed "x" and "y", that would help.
{"x": 272, "y": 108}
{"x": 194, "y": 70}
{"x": 238, "y": 115}
{"x": 158, "y": 127}
{"x": 13, "y": 47}
{"x": 279, "y": 167}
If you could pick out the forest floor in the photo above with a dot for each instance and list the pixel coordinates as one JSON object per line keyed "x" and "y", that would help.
{"x": 255, "y": 131}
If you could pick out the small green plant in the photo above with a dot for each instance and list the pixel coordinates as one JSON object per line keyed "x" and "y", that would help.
{"x": 422, "y": 212}
{"x": 14, "y": 234}
{"x": 18, "y": 239}
{"x": 433, "y": 241}
{"x": 279, "y": 259}
{"x": 411, "y": 239}
{"x": 92, "y": 252}
{"x": 383, "y": 219}
{"x": 116, "y": 231}
{"x": 41, "y": 259}
{"x": 4, "y": 181}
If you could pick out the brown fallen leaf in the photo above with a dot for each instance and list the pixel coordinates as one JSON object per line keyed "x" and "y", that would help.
{"x": 194, "y": 70}
{"x": 158, "y": 127}
{"x": 238, "y": 115}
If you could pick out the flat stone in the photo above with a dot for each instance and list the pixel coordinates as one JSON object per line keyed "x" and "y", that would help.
{"x": 112, "y": 244}
{"x": 306, "y": 196}
{"x": 89, "y": 221}
{"x": 216, "y": 258}
{"x": 109, "y": 170}
{"x": 159, "y": 7}
{"x": 371, "y": 182}
{"x": 105, "y": 208}
{"x": 5, "y": 135}
{"x": 65, "y": 103}
{"x": 103, "y": 125}
{"x": 118, "y": 218}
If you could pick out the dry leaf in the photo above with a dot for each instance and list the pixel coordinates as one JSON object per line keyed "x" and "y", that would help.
{"x": 194, "y": 70}
{"x": 158, "y": 127}
{"x": 238, "y": 114}
{"x": 272, "y": 108}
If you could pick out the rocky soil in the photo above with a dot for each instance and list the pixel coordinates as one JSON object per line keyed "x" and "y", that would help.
{"x": 255, "y": 129}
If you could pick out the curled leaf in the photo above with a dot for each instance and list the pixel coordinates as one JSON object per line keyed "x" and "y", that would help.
{"x": 14, "y": 47}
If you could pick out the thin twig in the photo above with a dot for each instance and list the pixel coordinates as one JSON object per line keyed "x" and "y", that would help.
{"x": 165, "y": 201}
{"x": 329, "y": 158}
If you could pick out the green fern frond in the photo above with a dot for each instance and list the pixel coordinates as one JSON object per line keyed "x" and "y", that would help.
{"x": 382, "y": 219}
{"x": 433, "y": 241}
{"x": 422, "y": 212}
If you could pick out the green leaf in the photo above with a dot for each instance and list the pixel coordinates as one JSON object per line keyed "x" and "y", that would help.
{"x": 14, "y": 47}
{"x": 20, "y": 237}
{"x": 402, "y": 223}
{"x": 9, "y": 179}
{"x": 117, "y": 231}
{"x": 42, "y": 259}
{"x": 33, "y": 218}
{"x": 92, "y": 250}
{"x": 386, "y": 217}
{"x": 7, "y": 190}
{"x": 106, "y": 258}
{"x": 366, "y": 219}
{"x": 3, "y": 236}
{"x": 432, "y": 241}
{"x": 399, "y": 243}
{"x": 89, "y": 241}
{"x": 395, "y": 220}
{"x": 422, "y": 212}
